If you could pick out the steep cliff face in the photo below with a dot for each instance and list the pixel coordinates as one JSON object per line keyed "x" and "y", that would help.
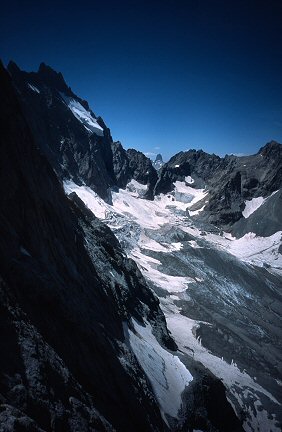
{"x": 75, "y": 141}
{"x": 121, "y": 164}
{"x": 197, "y": 163}
{"x": 132, "y": 164}
{"x": 67, "y": 366}
{"x": 142, "y": 171}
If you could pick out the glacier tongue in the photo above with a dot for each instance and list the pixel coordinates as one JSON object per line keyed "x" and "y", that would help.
{"x": 220, "y": 296}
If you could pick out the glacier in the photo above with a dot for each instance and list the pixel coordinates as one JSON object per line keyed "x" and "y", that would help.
{"x": 209, "y": 285}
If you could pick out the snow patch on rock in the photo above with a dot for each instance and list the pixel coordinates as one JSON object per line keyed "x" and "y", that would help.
{"x": 85, "y": 117}
{"x": 189, "y": 180}
{"x": 33, "y": 88}
{"x": 96, "y": 204}
{"x": 188, "y": 194}
{"x": 252, "y": 205}
{"x": 166, "y": 373}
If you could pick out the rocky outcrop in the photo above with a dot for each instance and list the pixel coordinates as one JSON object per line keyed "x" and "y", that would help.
{"x": 265, "y": 221}
{"x": 121, "y": 165}
{"x": 64, "y": 361}
{"x": 132, "y": 164}
{"x": 142, "y": 170}
{"x": 242, "y": 178}
{"x": 194, "y": 163}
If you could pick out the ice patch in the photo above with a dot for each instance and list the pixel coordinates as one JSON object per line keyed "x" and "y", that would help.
{"x": 196, "y": 212}
{"x": 188, "y": 194}
{"x": 84, "y": 116}
{"x": 177, "y": 246}
{"x": 33, "y": 88}
{"x": 166, "y": 373}
{"x": 174, "y": 297}
{"x": 24, "y": 251}
{"x": 189, "y": 180}
{"x": 171, "y": 284}
{"x": 252, "y": 205}
{"x": 89, "y": 197}
{"x": 252, "y": 249}
{"x": 135, "y": 186}
{"x": 194, "y": 244}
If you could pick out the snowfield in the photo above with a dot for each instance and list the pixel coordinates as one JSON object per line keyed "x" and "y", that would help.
{"x": 89, "y": 197}
{"x": 166, "y": 373}
{"x": 232, "y": 283}
{"x": 252, "y": 205}
{"x": 84, "y": 116}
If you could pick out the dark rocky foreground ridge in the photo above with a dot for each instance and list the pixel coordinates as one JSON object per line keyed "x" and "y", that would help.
{"x": 62, "y": 314}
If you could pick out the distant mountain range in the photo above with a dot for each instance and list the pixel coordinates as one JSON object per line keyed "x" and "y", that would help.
{"x": 80, "y": 319}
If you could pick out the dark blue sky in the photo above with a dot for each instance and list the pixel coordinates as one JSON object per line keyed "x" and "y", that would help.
{"x": 165, "y": 75}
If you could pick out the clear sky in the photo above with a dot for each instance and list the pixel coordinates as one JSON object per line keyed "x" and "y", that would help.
{"x": 165, "y": 75}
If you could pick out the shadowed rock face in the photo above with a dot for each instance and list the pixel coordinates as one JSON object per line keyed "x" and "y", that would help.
{"x": 61, "y": 319}
{"x": 132, "y": 164}
{"x": 199, "y": 164}
{"x": 230, "y": 180}
{"x": 142, "y": 170}
{"x": 74, "y": 151}
{"x": 265, "y": 221}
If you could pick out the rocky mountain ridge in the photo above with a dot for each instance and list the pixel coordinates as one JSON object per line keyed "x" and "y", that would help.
{"x": 64, "y": 320}
{"x": 79, "y": 146}
{"x": 230, "y": 181}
